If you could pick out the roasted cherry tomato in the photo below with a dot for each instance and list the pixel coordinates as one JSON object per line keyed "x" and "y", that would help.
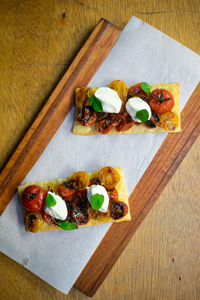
{"x": 81, "y": 97}
{"x": 80, "y": 216}
{"x": 113, "y": 195}
{"x": 136, "y": 91}
{"x": 109, "y": 177}
{"x": 126, "y": 122}
{"x": 121, "y": 88}
{"x": 161, "y": 101}
{"x": 118, "y": 210}
{"x": 169, "y": 121}
{"x": 32, "y": 221}
{"x": 33, "y": 198}
{"x": 95, "y": 180}
{"x": 80, "y": 180}
{"x": 48, "y": 219}
{"x": 86, "y": 116}
{"x": 80, "y": 200}
{"x": 154, "y": 121}
{"x": 66, "y": 191}
{"x": 106, "y": 122}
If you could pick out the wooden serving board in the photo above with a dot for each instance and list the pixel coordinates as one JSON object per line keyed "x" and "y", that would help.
{"x": 161, "y": 169}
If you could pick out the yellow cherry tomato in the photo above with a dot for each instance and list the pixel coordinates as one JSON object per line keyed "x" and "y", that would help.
{"x": 169, "y": 121}
{"x": 109, "y": 177}
{"x": 121, "y": 88}
{"x": 80, "y": 180}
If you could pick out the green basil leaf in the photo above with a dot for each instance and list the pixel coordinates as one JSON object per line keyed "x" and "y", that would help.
{"x": 145, "y": 87}
{"x": 92, "y": 100}
{"x": 67, "y": 225}
{"x": 97, "y": 201}
{"x": 95, "y": 103}
{"x": 88, "y": 94}
{"x": 142, "y": 115}
{"x": 50, "y": 200}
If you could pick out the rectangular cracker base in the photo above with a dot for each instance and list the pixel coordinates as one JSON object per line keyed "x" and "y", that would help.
{"x": 101, "y": 219}
{"x": 172, "y": 87}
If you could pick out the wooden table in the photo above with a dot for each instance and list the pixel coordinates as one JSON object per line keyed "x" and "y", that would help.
{"x": 38, "y": 41}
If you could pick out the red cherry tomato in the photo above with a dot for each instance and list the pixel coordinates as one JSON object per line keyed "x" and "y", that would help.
{"x": 161, "y": 101}
{"x": 33, "y": 198}
{"x": 87, "y": 116}
{"x": 136, "y": 91}
{"x": 125, "y": 123}
{"x": 118, "y": 210}
{"x": 106, "y": 122}
{"x": 47, "y": 218}
{"x": 113, "y": 195}
{"x": 66, "y": 191}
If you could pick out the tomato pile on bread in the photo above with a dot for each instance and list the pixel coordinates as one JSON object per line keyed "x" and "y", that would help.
{"x": 119, "y": 109}
{"x": 84, "y": 199}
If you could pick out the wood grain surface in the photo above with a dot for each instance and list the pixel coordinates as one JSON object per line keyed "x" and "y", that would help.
{"x": 39, "y": 40}
{"x": 80, "y": 72}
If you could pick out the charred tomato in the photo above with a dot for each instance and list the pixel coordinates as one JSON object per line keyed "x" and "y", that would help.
{"x": 66, "y": 190}
{"x": 80, "y": 216}
{"x": 126, "y": 122}
{"x": 86, "y": 116}
{"x": 47, "y": 218}
{"x": 94, "y": 180}
{"x": 80, "y": 200}
{"x": 106, "y": 122}
{"x": 154, "y": 121}
{"x": 118, "y": 210}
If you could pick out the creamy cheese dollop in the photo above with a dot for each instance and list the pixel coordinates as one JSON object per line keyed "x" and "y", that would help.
{"x": 135, "y": 104}
{"x": 98, "y": 189}
{"x": 59, "y": 211}
{"x": 109, "y": 98}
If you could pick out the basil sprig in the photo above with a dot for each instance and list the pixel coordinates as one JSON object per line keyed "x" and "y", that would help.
{"x": 50, "y": 200}
{"x": 145, "y": 87}
{"x": 97, "y": 201}
{"x": 95, "y": 103}
{"x": 142, "y": 115}
{"x": 67, "y": 225}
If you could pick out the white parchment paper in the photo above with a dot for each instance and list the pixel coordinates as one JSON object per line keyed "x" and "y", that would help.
{"x": 142, "y": 53}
